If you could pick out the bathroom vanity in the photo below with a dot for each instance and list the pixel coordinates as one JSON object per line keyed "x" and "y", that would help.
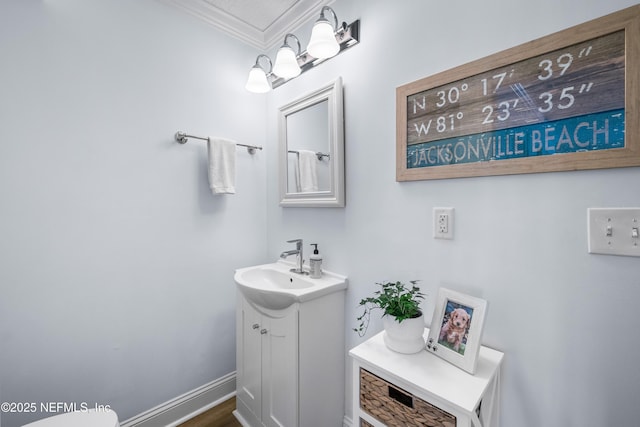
{"x": 289, "y": 359}
{"x": 419, "y": 390}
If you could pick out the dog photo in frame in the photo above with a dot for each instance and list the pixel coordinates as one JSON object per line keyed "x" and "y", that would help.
{"x": 456, "y": 328}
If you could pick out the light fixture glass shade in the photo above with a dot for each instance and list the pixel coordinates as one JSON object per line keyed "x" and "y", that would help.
{"x": 323, "y": 43}
{"x": 286, "y": 65}
{"x": 257, "y": 81}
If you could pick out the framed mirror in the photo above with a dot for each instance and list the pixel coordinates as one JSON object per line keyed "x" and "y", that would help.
{"x": 311, "y": 132}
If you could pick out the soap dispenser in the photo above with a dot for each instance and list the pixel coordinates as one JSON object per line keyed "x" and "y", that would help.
{"x": 315, "y": 263}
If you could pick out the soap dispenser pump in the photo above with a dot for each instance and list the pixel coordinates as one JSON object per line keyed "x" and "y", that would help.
{"x": 315, "y": 263}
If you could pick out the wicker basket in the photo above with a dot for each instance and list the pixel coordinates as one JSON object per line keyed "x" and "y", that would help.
{"x": 363, "y": 423}
{"x": 396, "y": 408}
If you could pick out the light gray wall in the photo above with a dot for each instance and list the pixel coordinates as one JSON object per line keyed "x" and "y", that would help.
{"x": 565, "y": 319}
{"x": 116, "y": 261}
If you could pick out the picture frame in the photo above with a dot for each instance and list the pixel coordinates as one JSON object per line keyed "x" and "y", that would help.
{"x": 456, "y": 328}
{"x": 566, "y": 101}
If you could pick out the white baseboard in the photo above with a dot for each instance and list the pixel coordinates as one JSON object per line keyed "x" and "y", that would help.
{"x": 186, "y": 406}
{"x": 240, "y": 419}
{"x": 347, "y": 422}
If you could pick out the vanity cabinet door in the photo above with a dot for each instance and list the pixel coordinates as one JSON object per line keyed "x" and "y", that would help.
{"x": 280, "y": 371}
{"x": 249, "y": 369}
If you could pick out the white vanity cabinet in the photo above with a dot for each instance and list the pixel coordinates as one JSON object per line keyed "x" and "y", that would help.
{"x": 290, "y": 363}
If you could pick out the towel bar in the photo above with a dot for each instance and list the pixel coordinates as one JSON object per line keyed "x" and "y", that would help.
{"x": 182, "y": 137}
{"x": 319, "y": 154}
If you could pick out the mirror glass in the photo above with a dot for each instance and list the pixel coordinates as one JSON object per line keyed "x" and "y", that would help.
{"x": 312, "y": 148}
{"x": 308, "y": 135}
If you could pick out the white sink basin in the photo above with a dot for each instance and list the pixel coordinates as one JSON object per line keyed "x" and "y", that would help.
{"x": 274, "y": 287}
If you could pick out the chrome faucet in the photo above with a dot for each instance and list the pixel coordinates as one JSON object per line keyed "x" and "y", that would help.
{"x": 298, "y": 253}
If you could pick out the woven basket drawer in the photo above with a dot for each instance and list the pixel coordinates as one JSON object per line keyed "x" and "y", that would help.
{"x": 397, "y": 408}
{"x": 363, "y": 423}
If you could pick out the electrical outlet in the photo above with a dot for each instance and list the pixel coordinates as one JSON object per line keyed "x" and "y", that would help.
{"x": 443, "y": 223}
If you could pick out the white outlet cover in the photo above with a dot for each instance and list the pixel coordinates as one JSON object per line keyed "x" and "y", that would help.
{"x": 437, "y": 234}
{"x": 611, "y": 231}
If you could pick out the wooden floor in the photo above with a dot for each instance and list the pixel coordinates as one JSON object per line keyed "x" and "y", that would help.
{"x": 219, "y": 416}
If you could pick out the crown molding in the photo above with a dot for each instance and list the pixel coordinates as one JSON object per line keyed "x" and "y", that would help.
{"x": 302, "y": 12}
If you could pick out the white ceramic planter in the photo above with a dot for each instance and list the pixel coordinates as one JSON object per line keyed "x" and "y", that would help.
{"x": 404, "y": 337}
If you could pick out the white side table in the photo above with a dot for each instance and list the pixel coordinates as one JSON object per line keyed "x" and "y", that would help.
{"x": 393, "y": 389}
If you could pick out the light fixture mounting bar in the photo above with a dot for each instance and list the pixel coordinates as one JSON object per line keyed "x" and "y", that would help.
{"x": 347, "y": 36}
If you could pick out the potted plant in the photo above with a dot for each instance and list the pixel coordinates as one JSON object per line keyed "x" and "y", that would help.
{"x": 402, "y": 318}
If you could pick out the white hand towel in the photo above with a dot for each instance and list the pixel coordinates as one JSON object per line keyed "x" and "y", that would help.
{"x": 222, "y": 165}
{"x": 308, "y": 173}
{"x": 294, "y": 165}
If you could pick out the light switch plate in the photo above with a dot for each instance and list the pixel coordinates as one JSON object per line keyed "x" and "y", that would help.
{"x": 614, "y": 231}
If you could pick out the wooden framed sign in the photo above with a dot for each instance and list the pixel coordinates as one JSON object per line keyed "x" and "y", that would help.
{"x": 567, "y": 101}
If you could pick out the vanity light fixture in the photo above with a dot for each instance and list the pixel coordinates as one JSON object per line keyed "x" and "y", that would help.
{"x": 286, "y": 65}
{"x": 323, "y": 43}
{"x": 326, "y": 41}
{"x": 257, "y": 81}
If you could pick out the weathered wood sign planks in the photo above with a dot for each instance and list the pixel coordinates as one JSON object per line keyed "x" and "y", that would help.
{"x": 567, "y": 101}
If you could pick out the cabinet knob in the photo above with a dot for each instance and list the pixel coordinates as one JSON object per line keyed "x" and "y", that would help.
{"x": 263, "y": 331}
{"x": 255, "y": 326}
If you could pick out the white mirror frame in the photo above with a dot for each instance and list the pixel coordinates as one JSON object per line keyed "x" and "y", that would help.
{"x": 335, "y": 196}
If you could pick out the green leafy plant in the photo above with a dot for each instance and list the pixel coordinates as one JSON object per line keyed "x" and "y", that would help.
{"x": 395, "y": 299}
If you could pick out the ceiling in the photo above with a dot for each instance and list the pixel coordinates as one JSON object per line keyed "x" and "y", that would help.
{"x": 259, "y": 23}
